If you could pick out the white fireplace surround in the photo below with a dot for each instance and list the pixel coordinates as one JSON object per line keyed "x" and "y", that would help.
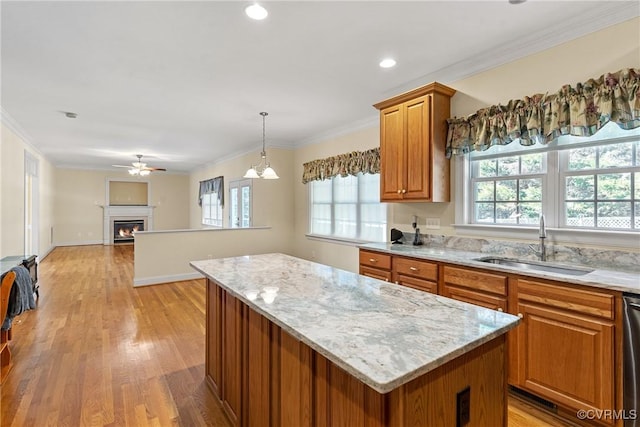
{"x": 125, "y": 213}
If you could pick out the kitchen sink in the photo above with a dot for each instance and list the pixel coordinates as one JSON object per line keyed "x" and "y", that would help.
{"x": 537, "y": 266}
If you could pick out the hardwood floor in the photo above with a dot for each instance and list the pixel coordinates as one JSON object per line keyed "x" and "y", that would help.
{"x": 98, "y": 352}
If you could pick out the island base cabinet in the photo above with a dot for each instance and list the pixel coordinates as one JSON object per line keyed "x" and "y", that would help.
{"x": 280, "y": 381}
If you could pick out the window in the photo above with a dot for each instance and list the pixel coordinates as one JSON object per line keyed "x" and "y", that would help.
{"x": 240, "y": 203}
{"x": 590, "y": 183}
{"x": 348, "y": 208}
{"x": 211, "y": 210}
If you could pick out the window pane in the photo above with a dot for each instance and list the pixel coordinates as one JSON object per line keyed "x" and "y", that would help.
{"x": 532, "y": 163}
{"x": 580, "y": 214}
{"x": 530, "y": 213}
{"x": 322, "y": 191}
{"x": 508, "y": 166}
{"x": 506, "y": 190}
{"x": 636, "y": 185}
{"x": 345, "y": 189}
{"x": 580, "y": 188}
{"x": 345, "y": 220}
{"x": 484, "y": 190}
{"x": 234, "y": 215}
{"x": 616, "y": 155}
{"x": 637, "y": 148}
{"x": 321, "y": 219}
{"x": 636, "y": 222}
{"x": 506, "y": 213}
{"x": 369, "y": 188}
{"x": 614, "y": 215}
{"x": 246, "y": 206}
{"x": 531, "y": 189}
{"x": 373, "y": 219}
{"x": 582, "y": 158}
{"x": 487, "y": 168}
{"x": 614, "y": 186}
{"x": 484, "y": 213}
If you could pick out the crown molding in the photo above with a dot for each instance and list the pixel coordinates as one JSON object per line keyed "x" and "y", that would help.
{"x": 14, "y": 126}
{"x": 580, "y": 25}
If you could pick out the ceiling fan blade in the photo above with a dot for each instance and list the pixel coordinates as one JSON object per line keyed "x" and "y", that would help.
{"x": 121, "y": 166}
{"x": 155, "y": 169}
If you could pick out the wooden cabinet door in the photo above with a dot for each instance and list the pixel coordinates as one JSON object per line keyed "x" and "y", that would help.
{"x": 232, "y": 357}
{"x": 417, "y": 162}
{"x": 567, "y": 358}
{"x": 213, "y": 360}
{"x": 392, "y": 148}
{"x": 376, "y": 273}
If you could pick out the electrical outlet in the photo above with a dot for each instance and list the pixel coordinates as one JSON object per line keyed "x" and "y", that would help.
{"x": 463, "y": 410}
{"x": 432, "y": 223}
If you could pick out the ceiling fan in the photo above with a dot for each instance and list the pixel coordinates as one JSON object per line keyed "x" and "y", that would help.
{"x": 138, "y": 168}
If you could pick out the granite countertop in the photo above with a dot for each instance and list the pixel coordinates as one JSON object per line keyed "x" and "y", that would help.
{"x": 599, "y": 278}
{"x": 383, "y": 334}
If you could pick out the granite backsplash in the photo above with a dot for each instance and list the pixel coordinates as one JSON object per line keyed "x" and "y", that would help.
{"x": 606, "y": 259}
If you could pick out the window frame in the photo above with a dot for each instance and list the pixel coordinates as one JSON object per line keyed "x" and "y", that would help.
{"x": 239, "y": 184}
{"x": 341, "y": 239}
{"x": 218, "y": 208}
{"x": 552, "y": 208}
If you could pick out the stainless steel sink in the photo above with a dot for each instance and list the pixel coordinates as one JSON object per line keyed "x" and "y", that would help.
{"x": 538, "y": 266}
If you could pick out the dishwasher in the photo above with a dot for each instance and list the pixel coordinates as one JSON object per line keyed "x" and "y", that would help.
{"x": 631, "y": 351}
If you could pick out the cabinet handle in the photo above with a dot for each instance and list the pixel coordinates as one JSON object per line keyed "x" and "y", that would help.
{"x": 373, "y": 260}
{"x": 386, "y": 280}
{"x": 404, "y": 191}
{"x": 414, "y": 269}
{"x": 520, "y": 315}
{"x": 399, "y": 191}
{"x": 500, "y": 309}
{"x": 397, "y": 283}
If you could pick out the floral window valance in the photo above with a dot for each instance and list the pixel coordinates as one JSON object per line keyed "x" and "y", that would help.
{"x": 581, "y": 110}
{"x": 343, "y": 165}
{"x": 213, "y": 185}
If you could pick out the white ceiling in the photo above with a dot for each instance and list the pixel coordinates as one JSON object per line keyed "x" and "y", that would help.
{"x": 183, "y": 82}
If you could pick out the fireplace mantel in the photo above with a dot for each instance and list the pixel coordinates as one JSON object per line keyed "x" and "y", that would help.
{"x": 125, "y": 212}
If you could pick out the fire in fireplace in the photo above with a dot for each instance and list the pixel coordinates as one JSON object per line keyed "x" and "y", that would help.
{"x": 123, "y": 231}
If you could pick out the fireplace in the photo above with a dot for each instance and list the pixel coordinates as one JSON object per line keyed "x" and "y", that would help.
{"x": 124, "y": 230}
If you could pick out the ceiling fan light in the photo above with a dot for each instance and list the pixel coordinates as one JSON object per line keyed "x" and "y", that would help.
{"x": 269, "y": 173}
{"x": 133, "y": 171}
{"x": 251, "y": 173}
{"x": 144, "y": 172}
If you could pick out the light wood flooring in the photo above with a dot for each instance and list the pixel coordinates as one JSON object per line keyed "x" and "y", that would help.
{"x": 98, "y": 352}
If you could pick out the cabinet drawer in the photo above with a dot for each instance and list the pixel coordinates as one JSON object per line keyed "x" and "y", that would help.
{"x": 477, "y": 298}
{"x": 473, "y": 279}
{"x": 566, "y": 297}
{"x": 375, "y": 259}
{"x": 376, "y": 273}
{"x": 413, "y": 267}
{"x": 419, "y": 284}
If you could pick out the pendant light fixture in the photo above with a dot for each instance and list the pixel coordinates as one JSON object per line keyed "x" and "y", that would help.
{"x": 262, "y": 169}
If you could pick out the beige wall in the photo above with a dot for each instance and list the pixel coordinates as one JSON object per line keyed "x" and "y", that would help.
{"x": 128, "y": 193}
{"x": 80, "y": 193}
{"x": 12, "y": 149}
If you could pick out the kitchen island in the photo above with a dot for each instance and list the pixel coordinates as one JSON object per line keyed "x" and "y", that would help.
{"x": 294, "y": 343}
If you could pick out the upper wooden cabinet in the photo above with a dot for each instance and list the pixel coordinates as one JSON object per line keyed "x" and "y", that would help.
{"x": 413, "y": 133}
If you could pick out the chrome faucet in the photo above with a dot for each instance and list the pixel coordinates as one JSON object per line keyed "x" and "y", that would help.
{"x": 542, "y": 234}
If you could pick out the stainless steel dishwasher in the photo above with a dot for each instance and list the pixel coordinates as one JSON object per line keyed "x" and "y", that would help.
{"x": 631, "y": 325}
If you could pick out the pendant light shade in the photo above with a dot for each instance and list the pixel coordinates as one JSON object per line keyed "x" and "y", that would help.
{"x": 262, "y": 169}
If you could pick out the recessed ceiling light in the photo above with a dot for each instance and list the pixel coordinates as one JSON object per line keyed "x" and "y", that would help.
{"x": 255, "y": 11}
{"x": 387, "y": 63}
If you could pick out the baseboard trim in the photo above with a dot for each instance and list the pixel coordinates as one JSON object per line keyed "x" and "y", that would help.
{"x": 157, "y": 280}
{"x": 83, "y": 243}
